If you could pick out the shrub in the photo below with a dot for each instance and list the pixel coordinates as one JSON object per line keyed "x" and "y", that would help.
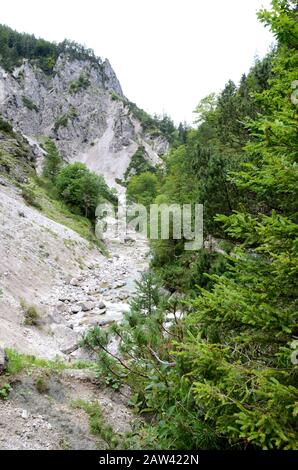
{"x": 82, "y": 83}
{"x": 5, "y": 391}
{"x": 5, "y": 126}
{"x": 30, "y": 104}
{"x": 62, "y": 121}
{"x": 41, "y": 384}
{"x": 32, "y": 316}
{"x": 115, "y": 96}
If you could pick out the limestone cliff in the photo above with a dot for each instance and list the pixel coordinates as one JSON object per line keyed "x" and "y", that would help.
{"x": 81, "y": 106}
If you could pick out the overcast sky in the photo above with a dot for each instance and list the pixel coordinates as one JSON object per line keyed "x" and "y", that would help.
{"x": 168, "y": 54}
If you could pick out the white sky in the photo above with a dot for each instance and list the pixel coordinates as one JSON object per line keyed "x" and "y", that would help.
{"x": 168, "y": 54}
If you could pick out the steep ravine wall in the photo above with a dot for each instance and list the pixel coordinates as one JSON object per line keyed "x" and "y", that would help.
{"x": 82, "y": 107}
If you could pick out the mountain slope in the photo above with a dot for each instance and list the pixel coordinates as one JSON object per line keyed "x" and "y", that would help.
{"x": 52, "y": 267}
{"x": 54, "y": 281}
{"x": 81, "y": 105}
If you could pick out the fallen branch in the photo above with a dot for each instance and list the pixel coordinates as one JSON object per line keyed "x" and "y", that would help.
{"x": 165, "y": 363}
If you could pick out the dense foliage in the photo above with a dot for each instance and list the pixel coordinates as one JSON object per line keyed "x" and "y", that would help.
{"x": 138, "y": 164}
{"x": 142, "y": 189}
{"x": 74, "y": 184}
{"x": 16, "y": 46}
{"x": 82, "y": 189}
{"x": 157, "y": 125}
{"x": 210, "y": 366}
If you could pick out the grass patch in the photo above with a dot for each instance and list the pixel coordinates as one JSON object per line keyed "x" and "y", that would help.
{"x": 30, "y": 197}
{"x": 41, "y": 192}
{"x": 97, "y": 423}
{"x": 115, "y": 96}
{"x": 18, "y": 362}
{"x": 15, "y": 162}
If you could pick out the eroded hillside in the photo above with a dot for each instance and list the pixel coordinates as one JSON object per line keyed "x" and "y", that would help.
{"x": 81, "y": 106}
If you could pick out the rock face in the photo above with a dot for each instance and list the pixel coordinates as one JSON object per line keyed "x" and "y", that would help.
{"x": 3, "y": 361}
{"x": 82, "y": 107}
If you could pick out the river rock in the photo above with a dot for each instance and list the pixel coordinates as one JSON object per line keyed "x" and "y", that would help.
{"x": 62, "y": 298}
{"x": 129, "y": 241}
{"x": 61, "y": 307}
{"x": 86, "y": 306}
{"x": 99, "y": 311}
{"x": 76, "y": 309}
{"x": 66, "y": 338}
{"x": 75, "y": 282}
{"x": 119, "y": 284}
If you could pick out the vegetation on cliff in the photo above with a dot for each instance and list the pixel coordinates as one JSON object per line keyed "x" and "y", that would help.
{"x": 17, "y": 46}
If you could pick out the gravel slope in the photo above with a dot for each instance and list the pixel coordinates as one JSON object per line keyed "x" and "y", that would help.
{"x": 41, "y": 262}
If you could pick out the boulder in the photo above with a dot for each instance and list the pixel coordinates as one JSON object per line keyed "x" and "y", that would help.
{"x": 93, "y": 291}
{"x": 76, "y": 309}
{"x": 129, "y": 241}
{"x": 119, "y": 284}
{"x": 86, "y": 306}
{"x": 75, "y": 282}
{"x": 66, "y": 338}
{"x": 62, "y": 298}
{"x": 81, "y": 375}
{"x": 61, "y": 307}
{"x": 101, "y": 311}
